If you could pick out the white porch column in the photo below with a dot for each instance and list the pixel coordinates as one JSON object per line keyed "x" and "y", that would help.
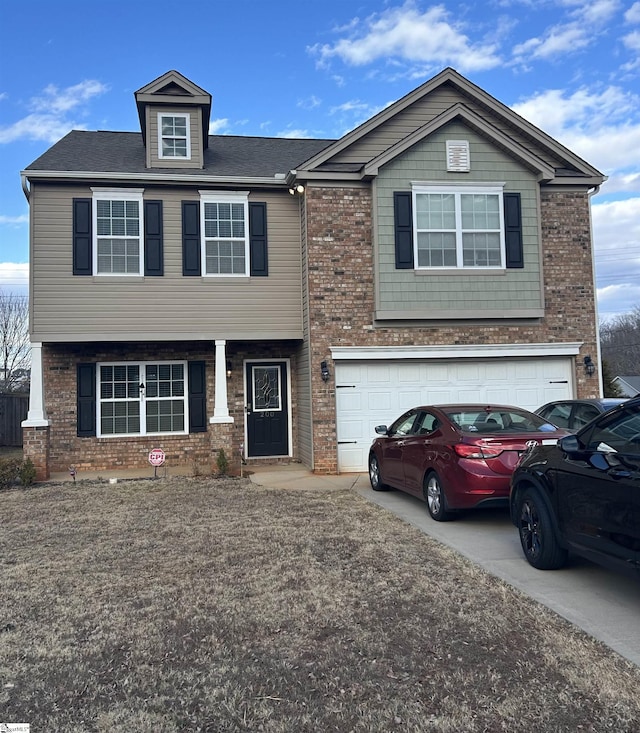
{"x": 36, "y": 417}
{"x": 221, "y": 406}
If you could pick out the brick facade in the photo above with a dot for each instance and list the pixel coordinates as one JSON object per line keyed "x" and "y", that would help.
{"x": 341, "y": 294}
{"x": 57, "y": 448}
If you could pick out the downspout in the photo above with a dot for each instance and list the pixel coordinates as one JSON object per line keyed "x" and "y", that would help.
{"x": 590, "y": 194}
{"x": 25, "y": 185}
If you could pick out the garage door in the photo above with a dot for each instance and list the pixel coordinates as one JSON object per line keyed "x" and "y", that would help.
{"x": 370, "y": 393}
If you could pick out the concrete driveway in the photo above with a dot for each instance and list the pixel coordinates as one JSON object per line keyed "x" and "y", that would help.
{"x": 603, "y": 603}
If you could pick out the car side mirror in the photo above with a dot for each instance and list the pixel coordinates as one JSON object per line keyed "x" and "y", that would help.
{"x": 570, "y": 444}
{"x": 381, "y": 429}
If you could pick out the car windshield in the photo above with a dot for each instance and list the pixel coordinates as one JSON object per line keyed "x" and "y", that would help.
{"x": 497, "y": 420}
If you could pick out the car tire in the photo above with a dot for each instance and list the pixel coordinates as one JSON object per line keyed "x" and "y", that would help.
{"x": 374, "y": 474}
{"x": 537, "y": 535}
{"x": 435, "y": 498}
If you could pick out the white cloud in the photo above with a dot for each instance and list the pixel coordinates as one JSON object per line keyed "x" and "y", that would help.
{"x": 217, "y": 127}
{"x": 602, "y": 126}
{"x": 632, "y": 15}
{"x": 14, "y": 275}
{"x": 616, "y": 236}
{"x": 310, "y": 102}
{"x": 38, "y": 127}
{"x": 295, "y": 134}
{"x": 49, "y": 119}
{"x": 22, "y": 219}
{"x": 58, "y": 101}
{"x": 406, "y": 33}
{"x": 560, "y": 39}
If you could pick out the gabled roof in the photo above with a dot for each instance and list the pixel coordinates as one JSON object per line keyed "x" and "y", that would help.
{"x": 575, "y": 169}
{"x": 173, "y": 89}
{"x": 460, "y": 112}
{"x": 630, "y": 385}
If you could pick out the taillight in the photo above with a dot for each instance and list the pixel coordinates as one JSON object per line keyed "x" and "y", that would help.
{"x": 476, "y": 451}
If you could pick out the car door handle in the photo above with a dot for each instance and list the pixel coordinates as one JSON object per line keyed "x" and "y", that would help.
{"x": 617, "y": 473}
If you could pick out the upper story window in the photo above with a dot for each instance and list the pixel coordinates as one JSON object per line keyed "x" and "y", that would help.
{"x": 174, "y": 140}
{"x": 458, "y": 227}
{"x": 118, "y": 236}
{"x": 225, "y": 240}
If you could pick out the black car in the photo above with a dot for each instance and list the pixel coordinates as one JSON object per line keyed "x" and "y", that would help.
{"x": 583, "y": 494}
{"x": 575, "y": 414}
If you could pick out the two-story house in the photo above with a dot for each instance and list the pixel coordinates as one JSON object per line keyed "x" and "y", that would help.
{"x": 278, "y": 298}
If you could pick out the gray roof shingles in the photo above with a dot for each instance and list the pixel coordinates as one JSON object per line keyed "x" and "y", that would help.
{"x": 227, "y": 155}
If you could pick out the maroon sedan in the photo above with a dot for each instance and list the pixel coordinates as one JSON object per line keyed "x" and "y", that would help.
{"x": 456, "y": 456}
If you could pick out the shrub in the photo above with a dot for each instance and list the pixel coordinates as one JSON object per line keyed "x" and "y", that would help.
{"x": 27, "y": 472}
{"x": 222, "y": 462}
{"x": 9, "y": 471}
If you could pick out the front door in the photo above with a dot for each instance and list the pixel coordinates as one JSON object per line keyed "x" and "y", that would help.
{"x": 267, "y": 409}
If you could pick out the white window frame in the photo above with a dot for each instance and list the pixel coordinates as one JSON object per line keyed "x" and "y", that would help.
{"x": 235, "y": 197}
{"x": 118, "y": 194}
{"x": 142, "y": 399}
{"x": 187, "y": 137}
{"x": 496, "y": 189}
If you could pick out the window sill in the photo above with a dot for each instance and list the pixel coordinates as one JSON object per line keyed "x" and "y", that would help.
{"x": 473, "y": 271}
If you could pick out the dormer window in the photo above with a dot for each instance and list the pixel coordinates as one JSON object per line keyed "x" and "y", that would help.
{"x": 174, "y": 141}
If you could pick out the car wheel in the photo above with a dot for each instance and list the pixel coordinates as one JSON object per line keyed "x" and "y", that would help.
{"x": 537, "y": 537}
{"x": 374, "y": 474}
{"x": 434, "y": 495}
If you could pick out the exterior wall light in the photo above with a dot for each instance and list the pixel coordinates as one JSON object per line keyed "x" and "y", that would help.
{"x": 324, "y": 371}
{"x": 589, "y": 366}
{"x": 299, "y": 189}
{"x": 229, "y": 369}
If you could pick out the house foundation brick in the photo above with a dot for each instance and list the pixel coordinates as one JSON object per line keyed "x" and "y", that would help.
{"x": 35, "y": 447}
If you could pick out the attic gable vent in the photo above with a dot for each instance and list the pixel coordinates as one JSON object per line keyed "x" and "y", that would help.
{"x": 458, "y": 155}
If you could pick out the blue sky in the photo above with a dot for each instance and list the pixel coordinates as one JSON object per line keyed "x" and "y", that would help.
{"x": 318, "y": 68}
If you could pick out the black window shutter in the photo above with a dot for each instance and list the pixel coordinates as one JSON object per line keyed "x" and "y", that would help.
{"x": 197, "y": 398}
{"x": 513, "y": 230}
{"x": 86, "y": 400}
{"x": 191, "y": 238}
{"x": 82, "y": 239}
{"x": 403, "y": 223}
{"x": 153, "y": 256}
{"x": 258, "y": 239}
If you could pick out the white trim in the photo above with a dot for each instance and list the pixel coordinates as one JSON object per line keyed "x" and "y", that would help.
{"x": 459, "y": 190}
{"x": 221, "y": 405}
{"x": 36, "y": 416}
{"x": 229, "y": 197}
{"x": 287, "y": 363}
{"x": 187, "y": 137}
{"x": 456, "y": 351}
{"x": 117, "y": 194}
{"x": 141, "y": 399}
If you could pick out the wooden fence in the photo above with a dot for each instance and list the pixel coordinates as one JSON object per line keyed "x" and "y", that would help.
{"x": 13, "y": 410}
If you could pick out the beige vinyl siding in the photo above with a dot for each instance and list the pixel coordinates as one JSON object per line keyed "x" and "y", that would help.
{"x": 303, "y": 375}
{"x": 195, "y": 120}
{"x": 460, "y": 294}
{"x": 420, "y": 113}
{"x": 173, "y": 307}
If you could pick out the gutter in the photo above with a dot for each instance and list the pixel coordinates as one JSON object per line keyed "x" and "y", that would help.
{"x": 25, "y": 185}
{"x": 26, "y": 175}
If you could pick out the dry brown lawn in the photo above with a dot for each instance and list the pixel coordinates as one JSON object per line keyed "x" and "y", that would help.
{"x": 195, "y": 604}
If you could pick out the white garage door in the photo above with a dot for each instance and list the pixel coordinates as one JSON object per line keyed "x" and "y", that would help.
{"x": 370, "y": 393}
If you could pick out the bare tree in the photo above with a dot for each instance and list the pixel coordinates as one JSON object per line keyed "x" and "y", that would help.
{"x": 15, "y": 348}
{"x": 620, "y": 343}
